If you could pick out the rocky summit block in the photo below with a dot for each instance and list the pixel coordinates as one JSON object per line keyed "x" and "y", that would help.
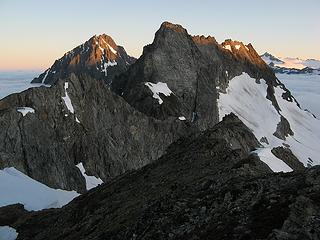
{"x": 99, "y": 57}
{"x": 174, "y": 60}
{"x": 207, "y": 186}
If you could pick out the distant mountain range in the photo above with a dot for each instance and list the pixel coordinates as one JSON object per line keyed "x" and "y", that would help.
{"x": 291, "y": 65}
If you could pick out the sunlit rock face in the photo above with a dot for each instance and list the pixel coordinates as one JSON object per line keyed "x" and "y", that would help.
{"x": 100, "y": 57}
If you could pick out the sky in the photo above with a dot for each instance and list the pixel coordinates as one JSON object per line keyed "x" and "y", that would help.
{"x": 34, "y": 33}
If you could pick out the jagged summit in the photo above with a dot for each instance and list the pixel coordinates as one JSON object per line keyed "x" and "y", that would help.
{"x": 173, "y": 27}
{"x": 100, "y": 57}
{"x": 204, "y": 40}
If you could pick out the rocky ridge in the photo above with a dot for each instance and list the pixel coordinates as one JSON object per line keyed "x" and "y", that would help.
{"x": 207, "y": 186}
{"x": 99, "y": 57}
{"x": 79, "y": 120}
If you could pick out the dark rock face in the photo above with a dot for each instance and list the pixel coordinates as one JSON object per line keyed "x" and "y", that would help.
{"x": 99, "y": 58}
{"x": 174, "y": 59}
{"x": 10, "y": 214}
{"x": 283, "y": 129}
{"x": 286, "y": 155}
{"x": 104, "y": 132}
{"x": 206, "y": 186}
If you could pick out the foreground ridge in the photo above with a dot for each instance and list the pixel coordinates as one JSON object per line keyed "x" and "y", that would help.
{"x": 207, "y": 186}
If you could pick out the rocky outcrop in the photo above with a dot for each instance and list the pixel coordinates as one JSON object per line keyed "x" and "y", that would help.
{"x": 79, "y": 120}
{"x": 172, "y": 59}
{"x": 99, "y": 57}
{"x": 283, "y": 129}
{"x": 286, "y": 155}
{"x": 206, "y": 186}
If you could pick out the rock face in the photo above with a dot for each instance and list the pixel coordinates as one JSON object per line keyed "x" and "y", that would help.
{"x": 206, "y": 186}
{"x": 99, "y": 57}
{"x": 79, "y": 120}
{"x": 172, "y": 59}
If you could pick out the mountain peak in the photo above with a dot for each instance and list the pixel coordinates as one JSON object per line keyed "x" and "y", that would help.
{"x": 173, "y": 27}
{"x": 93, "y": 57}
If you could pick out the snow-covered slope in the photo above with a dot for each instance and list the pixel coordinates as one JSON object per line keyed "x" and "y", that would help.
{"x": 289, "y": 62}
{"x": 247, "y": 99}
{"x": 16, "y": 187}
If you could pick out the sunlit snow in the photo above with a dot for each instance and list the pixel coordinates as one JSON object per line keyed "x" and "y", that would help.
{"x": 112, "y": 49}
{"x": 228, "y": 47}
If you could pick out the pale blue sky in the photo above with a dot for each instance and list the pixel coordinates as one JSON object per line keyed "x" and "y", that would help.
{"x": 36, "y": 32}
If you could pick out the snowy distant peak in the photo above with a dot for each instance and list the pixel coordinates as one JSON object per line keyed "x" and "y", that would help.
{"x": 268, "y": 58}
{"x": 287, "y": 63}
{"x": 99, "y": 57}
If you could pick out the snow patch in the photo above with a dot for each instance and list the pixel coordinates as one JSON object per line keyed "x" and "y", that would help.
{"x": 67, "y": 101}
{"x": 182, "y": 118}
{"x": 45, "y": 76}
{"x": 8, "y": 233}
{"x": 158, "y": 88}
{"x": 228, "y": 47}
{"x": 112, "y": 49}
{"x": 238, "y": 47}
{"x": 19, "y": 188}
{"x": 102, "y": 50}
{"x": 108, "y": 64}
{"x": 25, "y": 110}
{"x": 91, "y": 181}
{"x": 272, "y": 161}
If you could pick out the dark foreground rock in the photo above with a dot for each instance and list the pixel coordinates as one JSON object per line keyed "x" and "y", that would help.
{"x": 207, "y": 186}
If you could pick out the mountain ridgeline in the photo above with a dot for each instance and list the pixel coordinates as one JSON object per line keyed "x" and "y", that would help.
{"x": 99, "y": 57}
{"x": 190, "y": 131}
{"x": 111, "y": 132}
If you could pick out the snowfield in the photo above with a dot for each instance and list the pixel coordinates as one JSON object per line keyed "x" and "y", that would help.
{"x": 16, "y": 187}
{"x": 247, "y": 99}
